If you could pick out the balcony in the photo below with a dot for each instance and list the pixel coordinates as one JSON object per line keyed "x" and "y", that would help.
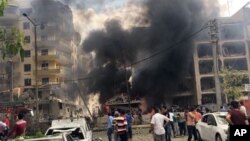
{"x": 48, "y": 71}
{"x": 57, "y": 44}
{"x": 62, "y": 60}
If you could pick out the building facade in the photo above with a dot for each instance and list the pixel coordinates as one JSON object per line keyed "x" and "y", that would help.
{"x": 230, "y": 49}
{"x": 56, "y": 62}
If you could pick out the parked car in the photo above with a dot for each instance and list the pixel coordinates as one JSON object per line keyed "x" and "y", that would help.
{"x": 213, "y": 127}
{"x": 78, "y": 129}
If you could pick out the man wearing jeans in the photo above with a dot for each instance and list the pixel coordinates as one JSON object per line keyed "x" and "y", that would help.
{"x": 157, "y": 125}
{"x": 110, "y": 126}
{"x": 191, "y": 124}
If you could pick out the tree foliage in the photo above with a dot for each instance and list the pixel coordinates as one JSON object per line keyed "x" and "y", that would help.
{"x": 3, "y": 4}
{"x": 11, "y": 43}
{"x": 233, "y": 83}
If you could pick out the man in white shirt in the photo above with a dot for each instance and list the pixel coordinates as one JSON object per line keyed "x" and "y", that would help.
{"x": 157, "y": 125}
{"x": 171, "y": 118}
{"x": 243, "y": 108}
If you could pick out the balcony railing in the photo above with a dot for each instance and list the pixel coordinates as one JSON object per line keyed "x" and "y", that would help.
{"x": 63, "y": 60}
{"x": 58, "y": 44}
{"x": 48, "y": 71}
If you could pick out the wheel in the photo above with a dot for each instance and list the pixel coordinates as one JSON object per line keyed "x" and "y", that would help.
{"x": 218, "y": 138}
{"x": 198, "y": 135}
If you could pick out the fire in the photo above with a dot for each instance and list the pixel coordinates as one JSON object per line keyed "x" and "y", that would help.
{"x": 93, "y": 102}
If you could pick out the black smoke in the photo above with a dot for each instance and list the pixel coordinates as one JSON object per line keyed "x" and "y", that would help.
{"x": 159, "y": 77}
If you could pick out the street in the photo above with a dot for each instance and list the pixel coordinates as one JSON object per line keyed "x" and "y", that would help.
{"x": 139, "y": 134}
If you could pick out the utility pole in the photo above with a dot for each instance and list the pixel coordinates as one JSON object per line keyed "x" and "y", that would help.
{"x": 213, "y": 24}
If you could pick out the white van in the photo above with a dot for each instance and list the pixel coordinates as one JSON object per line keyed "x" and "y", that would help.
{"x": 79, "y": 129}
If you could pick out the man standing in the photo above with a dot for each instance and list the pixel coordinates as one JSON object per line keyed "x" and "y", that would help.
{"x": 171, "y": 118}
{"x": 121, "y": 126}
{"x": 110, "y": 126}
{"x": 235, "y": 116}
{"x": 157, "y": 125}
{"x": 3, "y": 129}
{"x": 6, "y": 120}
{"x": 19, "y": 128}
{"x": 129, "y": 119}
{"x": 243, "y": 108}
{"x": 191, "y": 124}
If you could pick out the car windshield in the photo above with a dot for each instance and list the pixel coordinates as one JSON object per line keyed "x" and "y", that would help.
{"x": 221, "y": 120}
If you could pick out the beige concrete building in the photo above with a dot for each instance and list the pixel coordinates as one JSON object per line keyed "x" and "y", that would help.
{"x": 231, "y": 51}
{"x": 57, "y": 65}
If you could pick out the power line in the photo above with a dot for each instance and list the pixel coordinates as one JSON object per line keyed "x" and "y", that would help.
{"x": 206, "y": 25}
{"x": 171, "y": 47}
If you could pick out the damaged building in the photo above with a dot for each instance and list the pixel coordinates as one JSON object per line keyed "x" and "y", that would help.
{"x": 231, "y": 51}
{"x": 56, "y": 60}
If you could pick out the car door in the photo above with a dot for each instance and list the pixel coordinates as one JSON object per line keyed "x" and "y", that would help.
{"x": 203, "y": 127}
{"x": 212, "y": 125}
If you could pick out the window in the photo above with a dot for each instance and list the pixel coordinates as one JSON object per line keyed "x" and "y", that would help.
{"x": 42, "y": 26}
{"x": 60, "y": 105}
{"x": 27, "y": 11}
{"x": 26, "y": 25}
{"x": 211, "y": 120}
{"x": 45, "y": 80}
{"x": 27, "y": 53}
{"x": 232, "y": 32}
{"x": 44, "y": 37}
{"x": 44, "y": 51}
{"x": 45, "y": 65}
{"x": 27, "y": 82}
{"x": 27, "y": 67}
{"x": 204, "y": 119}
{"x": 27, "y": 39}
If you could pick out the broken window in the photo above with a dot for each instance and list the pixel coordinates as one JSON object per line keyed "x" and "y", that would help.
{"x": 236, "y": 64}
{"x": 205, "y": 50}
{"x": 207, "y": 84}
{"x": 186, "y": 85}
{"x": 233, "y": 49}
{"x": 232, "y": 32}
{"x": 208, "y": 98}
{"x": 206, "y": 66}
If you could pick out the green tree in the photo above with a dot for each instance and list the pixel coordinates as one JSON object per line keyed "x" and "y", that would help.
{"x": 233, "y": 83}
{"x": 11, "y": 43}
{"x": 3, "y": 4}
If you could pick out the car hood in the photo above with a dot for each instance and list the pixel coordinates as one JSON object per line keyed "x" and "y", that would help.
{"x": 225, "y": 126}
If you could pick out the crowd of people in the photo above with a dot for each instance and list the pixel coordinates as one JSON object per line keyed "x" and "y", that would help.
{"x": 167, "y": 123}
{"x": 17, "y": 131}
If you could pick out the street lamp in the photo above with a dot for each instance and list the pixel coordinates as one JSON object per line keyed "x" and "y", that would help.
{"x": 36, "y": 62}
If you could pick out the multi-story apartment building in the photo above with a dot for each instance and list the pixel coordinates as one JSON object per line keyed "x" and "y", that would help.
{"x": 56, "y": 62}
{"x": 231, "y": 51}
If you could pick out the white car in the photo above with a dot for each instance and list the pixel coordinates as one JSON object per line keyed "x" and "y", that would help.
{"x": 60, "y": 137}
{"x": 77, "y": 128}
{"x": 212, "y": 127}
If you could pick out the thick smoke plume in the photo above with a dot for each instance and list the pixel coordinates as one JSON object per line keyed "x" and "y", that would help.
{"x": 168, "y": 22}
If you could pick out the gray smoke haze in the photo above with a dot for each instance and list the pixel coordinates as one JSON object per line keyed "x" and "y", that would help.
{"x": 155, "y": 79}
{"x": 59, "y": 16}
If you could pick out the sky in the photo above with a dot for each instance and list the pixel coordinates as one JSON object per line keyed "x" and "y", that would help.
{"x": 229, "y": 7}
